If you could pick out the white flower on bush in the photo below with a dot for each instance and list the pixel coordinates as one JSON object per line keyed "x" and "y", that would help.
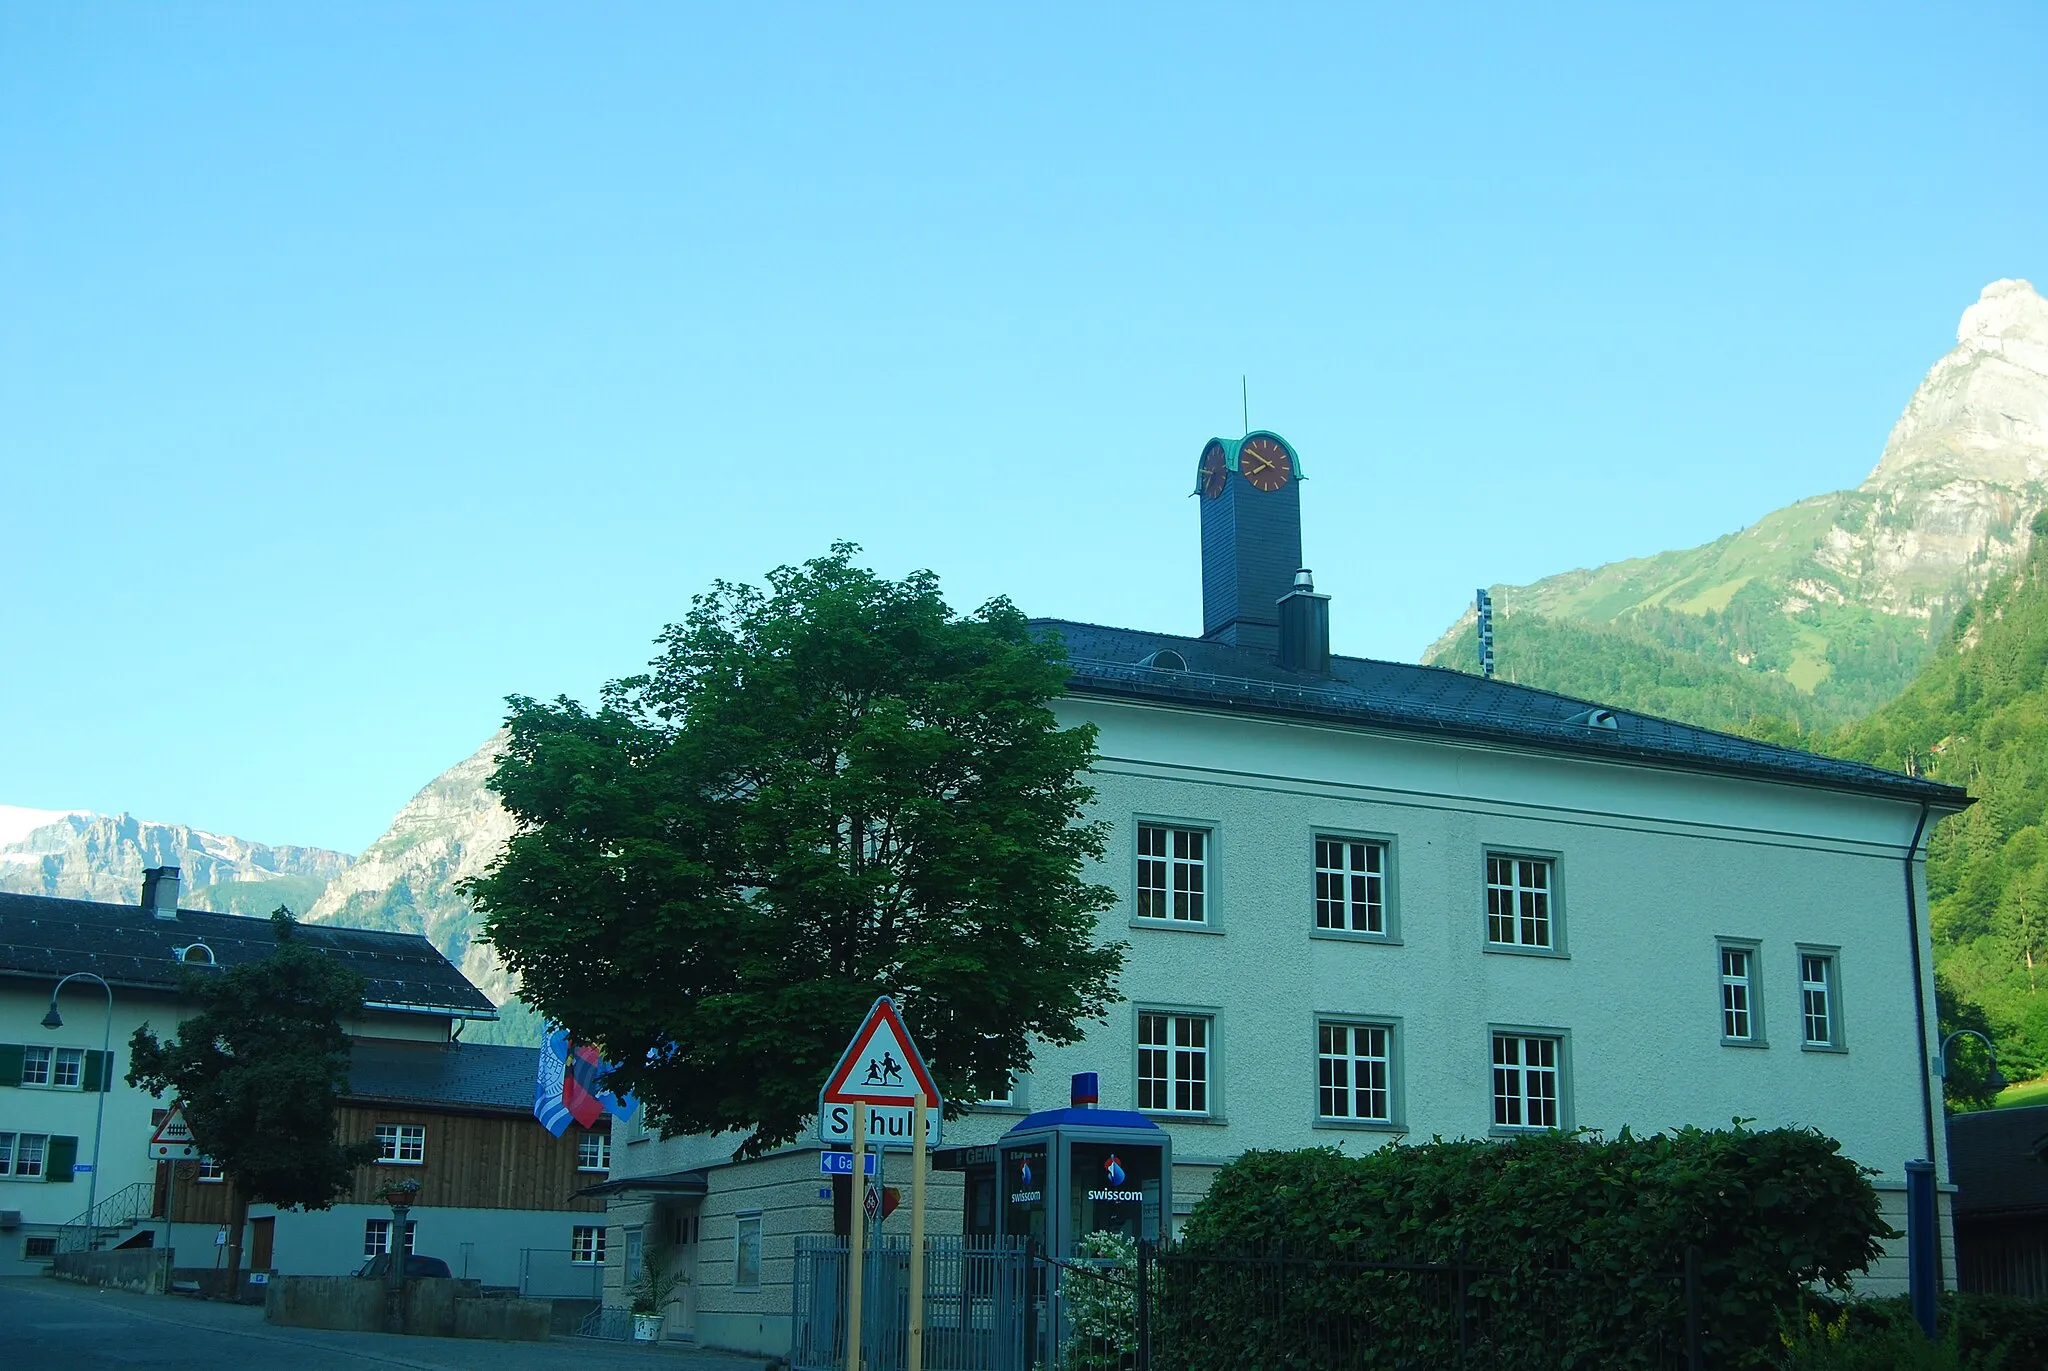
{"x": 1102, "y": 1309}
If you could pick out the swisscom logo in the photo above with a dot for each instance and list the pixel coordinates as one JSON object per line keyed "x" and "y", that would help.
{"x": 1113, "y": 1172}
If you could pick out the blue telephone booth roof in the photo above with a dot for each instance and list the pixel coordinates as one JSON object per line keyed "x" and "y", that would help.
{"x": 1071, "y": 1117}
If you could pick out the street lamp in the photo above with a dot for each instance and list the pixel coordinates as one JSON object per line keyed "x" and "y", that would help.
{"x": 55, "y": 1020}
{"x": 1993, "y": 1082}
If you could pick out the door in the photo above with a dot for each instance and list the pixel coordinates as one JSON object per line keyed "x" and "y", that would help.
{"x": 262, "y": 1233}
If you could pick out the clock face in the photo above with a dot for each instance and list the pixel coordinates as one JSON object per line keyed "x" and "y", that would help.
{"x": 1214, "y": 470}
{"x": 1265, "y": 464}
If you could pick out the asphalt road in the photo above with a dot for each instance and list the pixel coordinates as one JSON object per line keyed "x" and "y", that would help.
{"x": 51, "y": 1325}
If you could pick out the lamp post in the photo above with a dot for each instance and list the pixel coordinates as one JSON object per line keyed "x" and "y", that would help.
{"x": 54, "y": 1020}
{"x": 1994, "y": 1082}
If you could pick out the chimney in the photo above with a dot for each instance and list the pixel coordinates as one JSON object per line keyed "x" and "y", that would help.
{"x": 160, "y": 891}
{"x": 1251, "y": 546}
{"x": 1305, "y": 627}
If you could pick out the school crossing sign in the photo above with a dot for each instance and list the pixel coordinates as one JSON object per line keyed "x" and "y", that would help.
{"x": 880, "y": 1072}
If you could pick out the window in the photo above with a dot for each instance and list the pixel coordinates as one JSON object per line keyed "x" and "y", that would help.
{"x": 1003, "y": 1101}
{"x": 746, "y": 1252}
{"x": 1525, "y": 1080}
{"x": 594, "y": 1152}
{"x": 683, "y": 1232}
{"x": 1351, "y": 893}
{"x": 1820, "y": 999}
{"x": 35, "y": 1065}
{"x": 1742, "y": 1010}
{"x": 33, "y": 1248}
{"x": 1353, "y": 1072}
{"x": 404, "y": 1144}
{"x": 1173, "y": 873}
{"x": 636, "y": 1250}
{"x": 1518, "y": 899}
{"x": 1173, "y": 1063}
{"x": 22, "y": 1155}
{"x": 377, "y": 1236}
{"x": 211, "y": 1171}
{"x": 586, "y": 1245}
{"x": 68, "y": 1072}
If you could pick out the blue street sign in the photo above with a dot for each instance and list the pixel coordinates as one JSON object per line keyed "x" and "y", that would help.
{"x": 80, "y": 1168}
{"x": 841, "y": 1164}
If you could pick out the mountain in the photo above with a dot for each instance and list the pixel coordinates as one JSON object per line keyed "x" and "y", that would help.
{"x": 405, "y": 881}
{"x": 1821, "y": 611}
{"x": 1978, "y": 717}
{"x": 80, "y": 855}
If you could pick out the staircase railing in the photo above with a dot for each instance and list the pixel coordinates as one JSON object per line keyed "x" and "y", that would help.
{"x": 117, "y": 1211}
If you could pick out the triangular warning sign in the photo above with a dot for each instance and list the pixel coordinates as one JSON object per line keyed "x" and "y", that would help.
{"x": 881, "y": 1065}
{"x": 174, "y": 1128}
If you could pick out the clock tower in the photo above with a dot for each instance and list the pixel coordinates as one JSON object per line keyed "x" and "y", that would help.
{"x": 1251, "y": 536}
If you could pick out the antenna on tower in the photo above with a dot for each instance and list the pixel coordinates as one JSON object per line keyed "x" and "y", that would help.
{"x": 1245, "y": 393}
{"x": 1483, "y": 603}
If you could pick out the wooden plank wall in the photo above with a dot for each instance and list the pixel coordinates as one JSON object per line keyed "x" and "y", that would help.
{"x": 479, "y": 1161}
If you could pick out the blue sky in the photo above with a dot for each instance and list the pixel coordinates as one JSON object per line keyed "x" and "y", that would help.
{"x": 360, "y": 365}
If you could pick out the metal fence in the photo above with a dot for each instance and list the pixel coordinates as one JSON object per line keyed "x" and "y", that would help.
{"x": 977, "y": 1305}
{"x": 1000, "y": 1306}
{"x": 553, "y": 1274}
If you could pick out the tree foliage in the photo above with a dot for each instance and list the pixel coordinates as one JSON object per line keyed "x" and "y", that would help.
{"x": 260, "y": 1069}
{"x": 820, "y": 792}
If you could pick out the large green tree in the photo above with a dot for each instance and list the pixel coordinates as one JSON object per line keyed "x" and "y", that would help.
{"x": 260, "y": 1069}
{"x": 830, "y": 789}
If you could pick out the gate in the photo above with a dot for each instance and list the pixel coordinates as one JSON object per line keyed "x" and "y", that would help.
{"x": 977, "y": 1309}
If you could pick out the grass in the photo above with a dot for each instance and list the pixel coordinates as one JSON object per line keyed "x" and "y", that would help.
{"x": 2026, "y": 1092}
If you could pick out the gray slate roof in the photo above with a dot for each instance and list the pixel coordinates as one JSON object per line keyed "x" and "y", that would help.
{"x": 1440, "y": 702}
{"x": 45, "y": 938}
{"x": 1998, "y": 1159}
{"x": 478, "y": 1075}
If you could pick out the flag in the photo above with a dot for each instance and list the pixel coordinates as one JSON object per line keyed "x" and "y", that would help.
{"x": 548, "y": 1084}
{"x": 566, "y": 1087}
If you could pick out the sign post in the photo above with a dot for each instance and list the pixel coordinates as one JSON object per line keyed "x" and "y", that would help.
{"x": 856, "y": 1246}
{"x": 917, "y": 1160}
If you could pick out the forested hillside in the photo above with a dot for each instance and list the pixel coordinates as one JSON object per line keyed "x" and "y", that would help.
{"x": 1977, "y": 716}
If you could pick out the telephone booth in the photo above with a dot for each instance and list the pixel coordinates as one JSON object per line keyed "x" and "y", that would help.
{"x": 1063, "y": 1174}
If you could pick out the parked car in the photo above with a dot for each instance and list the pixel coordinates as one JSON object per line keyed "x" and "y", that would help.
{"x": 379, "y": 1266}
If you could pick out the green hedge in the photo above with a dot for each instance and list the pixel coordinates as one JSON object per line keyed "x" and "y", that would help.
{"x": 1983, "y": 1332}
{"x": 1587, "y": 1235}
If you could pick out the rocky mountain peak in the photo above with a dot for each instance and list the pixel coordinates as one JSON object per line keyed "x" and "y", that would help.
{"x": 1981, "y": 415}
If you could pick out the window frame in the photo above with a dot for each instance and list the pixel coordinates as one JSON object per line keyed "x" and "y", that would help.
{"x": 412, "y": 1232}
{"x": 1392, "y": 1025}
{"x": 401, "y": 1134}
{"x": 593, "y": 1250}
{"x": 1390, "y": 904}
{"x": 1752, "y": 949}
{"x": 741, "y": 1224}
{"x": 1209, "y": 830}
{"x": 16, "y": 1141}
{"x": 75, "y": 1058}
{"x": 1554, "y": 893}
{"x": 37, "y": 1247}
{"x": 203, "y": 1179}
{"x": 603, "y": 1140}
{"x": 1563, "y": 1068}
{"x": 1212, "y": 1079}
{"x": 46, "y": 1056}
{"x": 1838, "y": 1039}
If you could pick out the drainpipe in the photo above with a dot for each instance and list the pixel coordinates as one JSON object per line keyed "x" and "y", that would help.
{"x": 1919, "y": 986}
{"x": 1923, "y": 1254}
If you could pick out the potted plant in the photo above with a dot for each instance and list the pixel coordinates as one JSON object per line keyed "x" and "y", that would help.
{"x": 658, "y": 1283}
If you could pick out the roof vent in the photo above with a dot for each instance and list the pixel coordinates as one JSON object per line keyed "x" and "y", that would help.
{"x": 1166, "y": 659}
{"x": 194, "y": 954}
{"x": 160, "y": 891}
{"x": 1604, "y": 719}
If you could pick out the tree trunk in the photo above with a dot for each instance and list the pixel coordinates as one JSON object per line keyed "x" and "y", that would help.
{"x": 238, "y": 1221}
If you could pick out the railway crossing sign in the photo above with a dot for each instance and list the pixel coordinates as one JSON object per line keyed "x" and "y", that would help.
{"x": 172, "y": 1139}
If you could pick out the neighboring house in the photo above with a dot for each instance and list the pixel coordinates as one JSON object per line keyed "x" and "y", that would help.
{"x": 1369, "y": 902}
{"x": 2000, "y": 1157}
{"x": 497, "y": 1198}
{"x": 455, "y": 1116}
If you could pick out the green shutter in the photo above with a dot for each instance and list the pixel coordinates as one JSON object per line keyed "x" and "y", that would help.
{"x": 99, "y": 1071}
{"x": 10, "y": 1063}
{"x": 57, "y": 1164}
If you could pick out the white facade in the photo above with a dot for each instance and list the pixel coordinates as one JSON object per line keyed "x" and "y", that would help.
{"x": 1651, "y": 871}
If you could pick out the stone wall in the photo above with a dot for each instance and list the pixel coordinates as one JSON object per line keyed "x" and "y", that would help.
{"x": 433, "y": 1308}
{"x": 146, "y": 1269}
